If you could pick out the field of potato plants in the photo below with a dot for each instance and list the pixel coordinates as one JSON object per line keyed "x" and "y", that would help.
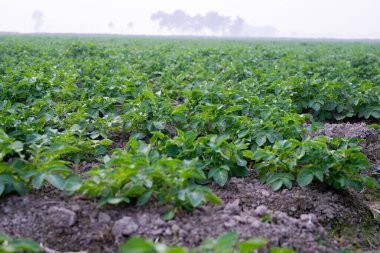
{"x": 158, "y": 145}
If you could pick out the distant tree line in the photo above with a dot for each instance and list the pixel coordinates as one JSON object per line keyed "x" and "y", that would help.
{"x": 180, "y": 21}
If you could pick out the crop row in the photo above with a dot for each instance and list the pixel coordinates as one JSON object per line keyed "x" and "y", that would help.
{"x": 182, "y": 114}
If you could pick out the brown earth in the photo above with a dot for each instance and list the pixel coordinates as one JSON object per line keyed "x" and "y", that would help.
{"x": 309, "y": 219}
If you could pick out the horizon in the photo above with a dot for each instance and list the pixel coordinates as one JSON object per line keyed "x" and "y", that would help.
{"x": 184, "y": 36}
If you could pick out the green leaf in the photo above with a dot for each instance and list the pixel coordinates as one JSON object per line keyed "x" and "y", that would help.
{"x": 271, "y": 137}
{"x": 319, "y": 175}
{"x": 105, "y": 142}
{"x": 19, "y": 187}
{"x": 3, "y": 237}
{"x": 57, "y": 167}
{"x": 137, "y": 245}
{"x": 172, "y": 150}
{"x": 75, "y": 127}
{"x": 149, "y": 94}
{"x": 72, "y": 183}
{"x": 251, "y": 245}
{"x": 372, "y": 183}
{"x": 240, "y": 161}
{"x": 100, "y": 150}
{"x": 177, "y": 250}
{"x": 276, "y": 185}
{"x": 38, "y": 180}
{"x": 288, "y": 183}
{"x": 195, "y": 198}
{"x": 67, "y": 149}
{"x": 375, "y": 114}
{"x": 240, "y": 171}
{"x": 143, "y": 148}
{"x": 305, "y": 177}
{"x": 17, "y": 146}
{"x": 358, "y": 186}
{"x": 233, "y": 108}
{"x": 220, "y": 175}
{"x": 135, "y": 190}
{"x": 316, "y": 106}
{"x": 225, "y": 242}
{"x": 179, "y": 109}
{"x": 117, "y": 200}
{"x": 57, "y": 180}
{"x": 210, "y": 196}
{"x": 169, "y": 214}
{"x": 225, "y": 156}
{"x": 159, "y": 124}
{"x": 339, "y": 116}
{"x": 144, "y": 198}
{"x": 2, "y": 187}
{"x": 281, "y": 250}
{"x": 24, "y": 245}
{"x": 247, "y": 154}
{"x": 261, "y": 140}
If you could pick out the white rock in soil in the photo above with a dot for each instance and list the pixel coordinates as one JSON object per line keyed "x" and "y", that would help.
{"x": 144, "y": 220}
{"x": 168, "y": 231}
{"x": 103, "y": 217}
{"x": 261, "y": 210}
{"x": 233, "y": 207}
{"x": 308, "y": 221}
{"x": 310, "y": 225}
{"x": 124, "y": 226}
{"x": 265, "y": 193}
{"x": 308, "y": 217}
{"x": 230, "y": 223}
{"x": 175, "y": 228}
{"x": 157, "y": 231}
{"x": 254, "y": 222}
{"x": 304, "y": 217}
{"x": 61, "y": 217}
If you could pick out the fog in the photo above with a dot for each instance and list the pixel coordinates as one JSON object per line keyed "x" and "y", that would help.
{"x": 356, "y": 19}
{"x": 212, "y": 23}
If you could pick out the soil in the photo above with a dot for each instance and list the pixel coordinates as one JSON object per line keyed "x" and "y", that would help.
{"x": 308, "y": 219}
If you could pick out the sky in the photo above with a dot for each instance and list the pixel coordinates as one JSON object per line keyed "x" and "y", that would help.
{"x": 348, "y": 19}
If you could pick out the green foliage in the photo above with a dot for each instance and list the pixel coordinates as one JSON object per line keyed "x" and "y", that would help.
{"x": 8, "y": 245}
{"x": 26, "y": 165}
{"x": 225, "y": 243}
{"x": 162, "y": 118}
{"x": 377, "y": 171}
{"x": 141, "y": 172}
{"x": 337, "y": 162}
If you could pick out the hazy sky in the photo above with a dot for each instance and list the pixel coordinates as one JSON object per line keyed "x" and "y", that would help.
{"x": 292, "y": 18}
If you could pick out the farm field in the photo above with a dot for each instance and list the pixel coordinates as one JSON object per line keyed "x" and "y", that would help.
{"x": 103, "y": 139}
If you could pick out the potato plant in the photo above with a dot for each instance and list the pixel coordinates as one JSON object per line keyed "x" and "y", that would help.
{"x": 161, "y": 119}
